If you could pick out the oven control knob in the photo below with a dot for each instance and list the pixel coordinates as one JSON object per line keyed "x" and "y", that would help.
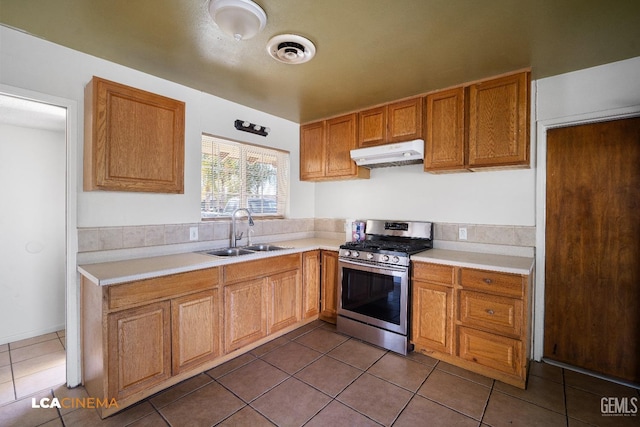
{"x": 385, "y": 258}
{"x": 395, "y": 259}
{"x": 369, "y": 255}
{"x": 347, "y": 253}
{"x": 355, "y": 254}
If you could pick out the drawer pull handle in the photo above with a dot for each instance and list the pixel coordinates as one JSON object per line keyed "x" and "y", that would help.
{"x": 487, "y": 281}
{"x": 490, "y": 312}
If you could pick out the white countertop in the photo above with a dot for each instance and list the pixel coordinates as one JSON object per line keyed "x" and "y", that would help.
{"x": 484, "y": 261}
{"x": 115, "y": 272}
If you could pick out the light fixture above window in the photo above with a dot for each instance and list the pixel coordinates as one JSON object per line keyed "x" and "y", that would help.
{"x": 241, "y": 19}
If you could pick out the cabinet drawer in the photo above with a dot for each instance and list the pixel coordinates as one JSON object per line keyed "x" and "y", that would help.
{"x": 260, "y": 268}
{"x": 142, "y": 291}
{"x": 492, "y": 281}
{"x": 438, "y": 273}
{"x": 500, "y": 314}
{"x": 492, "y": 351}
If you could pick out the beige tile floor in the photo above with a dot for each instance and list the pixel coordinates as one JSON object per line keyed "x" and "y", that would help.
{"x": 317, "y": 377}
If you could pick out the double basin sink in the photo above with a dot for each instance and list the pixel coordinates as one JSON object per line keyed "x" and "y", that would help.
{"x": 245, "y": 250}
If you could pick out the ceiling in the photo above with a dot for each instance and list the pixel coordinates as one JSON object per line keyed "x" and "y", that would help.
{"x": 368, "y": 51}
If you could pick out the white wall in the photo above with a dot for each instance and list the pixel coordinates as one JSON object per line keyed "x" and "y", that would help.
{"x": 30, "y": 63}
{"x": 32, "y": 226}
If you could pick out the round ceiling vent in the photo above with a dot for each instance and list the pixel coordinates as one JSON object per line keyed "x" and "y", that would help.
{"x": 291, "y": 49}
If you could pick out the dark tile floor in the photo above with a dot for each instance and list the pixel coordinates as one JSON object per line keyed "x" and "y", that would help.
{"x": 316, "y": 377}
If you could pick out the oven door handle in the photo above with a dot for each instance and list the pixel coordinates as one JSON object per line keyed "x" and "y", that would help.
{"x": 370, "y": 267}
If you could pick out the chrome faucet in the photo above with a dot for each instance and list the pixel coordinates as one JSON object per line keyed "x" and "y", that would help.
{"x": 235, "y": 236}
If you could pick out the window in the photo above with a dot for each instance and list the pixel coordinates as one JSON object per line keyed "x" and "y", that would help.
{"x": 237, "y": 175}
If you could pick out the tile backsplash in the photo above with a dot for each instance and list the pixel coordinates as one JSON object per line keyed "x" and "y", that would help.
{"x": 145, "y": 236}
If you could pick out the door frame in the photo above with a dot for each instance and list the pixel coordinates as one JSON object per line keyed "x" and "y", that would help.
{"x": 72, "y": 277}
{"x": 541, "y": 205}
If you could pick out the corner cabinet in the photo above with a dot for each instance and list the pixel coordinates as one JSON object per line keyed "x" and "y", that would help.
{"x": 134, "y": 140}
{"x": 325, "y": 150}
{"x": 476, "y": 319}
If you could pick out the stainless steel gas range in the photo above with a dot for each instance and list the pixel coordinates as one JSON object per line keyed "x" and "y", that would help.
{"x": 374, "y": 285}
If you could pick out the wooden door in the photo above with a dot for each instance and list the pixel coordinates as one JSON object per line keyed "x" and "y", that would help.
{"x": 444, "y": 131}
{"x": 372, "y": 125}
{"x": 139, "y": 349}
{"x": 312, "y": 151}
{"x": 195, "y": 326}
{"x": 592, "y": 281}
{"x": 432, "y": 317}
{"x": 341, "y": 138}
{"x": 404, "y": 120}
{"x": 499, "y": 122}
{"x": 310, "y": 284}
{"x": 329, "y": 292}
{"x": 285, "y": 295}
{"x": 245, "y": 313}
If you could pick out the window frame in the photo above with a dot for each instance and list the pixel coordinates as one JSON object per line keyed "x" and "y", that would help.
{"x": 283, "y": 179}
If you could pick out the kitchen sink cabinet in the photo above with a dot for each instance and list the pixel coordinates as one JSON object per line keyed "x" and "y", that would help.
{"x": 395, "y": 122}
{"x": 310, "y": 284}
{"x": 329, "y": 286}
{"x": 245, "y": 313}
{"x": 472, "y": 318}
{"x": 325, "y": 150}
{"x": 134, "y": 140}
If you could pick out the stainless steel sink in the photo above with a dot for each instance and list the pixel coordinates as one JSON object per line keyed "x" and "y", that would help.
{"x": 230, "y": 252}
{"x": 264, "y": 248}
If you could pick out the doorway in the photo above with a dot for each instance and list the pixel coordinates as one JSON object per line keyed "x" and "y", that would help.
{"x": 38, "y": 241}
{"x": 592, "y": 274}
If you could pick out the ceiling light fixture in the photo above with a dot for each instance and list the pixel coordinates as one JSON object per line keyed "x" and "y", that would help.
{"x": 241, "y": 19}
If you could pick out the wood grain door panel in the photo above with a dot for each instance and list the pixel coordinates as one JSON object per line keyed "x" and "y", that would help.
{"x": 592, "y": 282}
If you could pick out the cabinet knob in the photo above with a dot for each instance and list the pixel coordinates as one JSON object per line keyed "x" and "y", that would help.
{"x": 487, "y": 281}
{"x": 490, "y": 312}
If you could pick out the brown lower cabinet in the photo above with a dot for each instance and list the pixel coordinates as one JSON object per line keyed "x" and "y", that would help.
{"x": 476, "y": 319}
{"x": 329, "y": 286}
{"x": 141, "y": 337}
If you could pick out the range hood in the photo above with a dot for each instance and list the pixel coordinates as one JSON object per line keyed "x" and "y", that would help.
{"x": 398, "y": 154}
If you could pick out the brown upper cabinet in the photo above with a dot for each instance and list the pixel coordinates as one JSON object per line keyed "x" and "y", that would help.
{"x": 134, "y": 140}
{"x": 481, "y": 125}
{"x": 325, "y": 150}
{"x": 395, "y": 122}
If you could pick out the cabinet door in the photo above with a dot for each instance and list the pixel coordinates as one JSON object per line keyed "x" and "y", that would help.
{"x": 195, "y": 322}
{"x": 285, "y": 300}
{"x": 245, "y": 313}
{"x": 444, "y": 131}
{"x": 329, "y": 299}
{"x": 312, "y": 151}
{"x": 139, "y": 348}
{"x": 341, "y": 138}
{"x": 499, "y": 122}
{"x": 310, "y": 284}
{"x": 432, "y": 318}
{"x": 134, "y": 140}
{"x": 372, "y": 127}
{"x": 404, "y": 120}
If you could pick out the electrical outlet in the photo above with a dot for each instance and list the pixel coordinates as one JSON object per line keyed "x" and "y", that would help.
{"x": 462, "y": 233}
{"x": 193, "y": 233}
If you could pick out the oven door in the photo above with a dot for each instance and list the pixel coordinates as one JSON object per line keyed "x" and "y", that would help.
{"x": 374, "y": 295}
